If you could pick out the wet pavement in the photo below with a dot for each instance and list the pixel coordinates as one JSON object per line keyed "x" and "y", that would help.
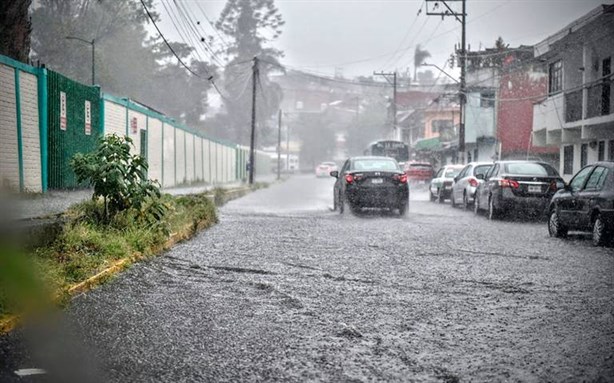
{"x": 284, "y": 289}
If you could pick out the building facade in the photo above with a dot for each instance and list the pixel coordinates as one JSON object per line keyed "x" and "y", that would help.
{"x": 576, "y": 114}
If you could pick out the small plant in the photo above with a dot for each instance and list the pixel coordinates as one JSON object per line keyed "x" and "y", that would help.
{"x": 120, "y": 178}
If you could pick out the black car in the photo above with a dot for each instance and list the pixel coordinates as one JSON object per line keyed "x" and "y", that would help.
{"x": 586, "y": 204}
{"x": 375, "y": 182}
{"x": 517, "y": 185}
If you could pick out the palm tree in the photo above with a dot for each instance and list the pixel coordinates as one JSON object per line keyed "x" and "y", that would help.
{"x": 419, "y": 57}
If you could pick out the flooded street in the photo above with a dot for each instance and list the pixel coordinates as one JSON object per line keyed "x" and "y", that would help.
{"x": 284, "y": 289}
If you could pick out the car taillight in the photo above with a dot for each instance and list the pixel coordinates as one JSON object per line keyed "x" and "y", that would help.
{"x": 402, "y": 178}
{"x": 349, "y": 178}
{"x": 505, "y": 183}
{"x": 473, "y": 182}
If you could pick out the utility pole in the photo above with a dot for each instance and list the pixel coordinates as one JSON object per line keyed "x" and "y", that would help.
{"x": 253, "y": 132}
{"x": 444, "y": 11}
{"x": 93, "y": 44}
{"x": 279, "y": 144}
{"x": 394, "y": 97}
{"x": 288, "y": 148}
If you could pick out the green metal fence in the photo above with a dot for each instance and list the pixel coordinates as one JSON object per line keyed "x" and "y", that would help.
{"x": 73, "y": 126}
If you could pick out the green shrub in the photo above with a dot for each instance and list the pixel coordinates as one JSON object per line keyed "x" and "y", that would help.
{"x": 120, "y": 179}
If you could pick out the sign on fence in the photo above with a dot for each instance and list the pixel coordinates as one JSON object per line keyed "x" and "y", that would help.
{"x": 62, "y": 110}
{"x": 134, "y": 125}
{"x": 88, "y": 118}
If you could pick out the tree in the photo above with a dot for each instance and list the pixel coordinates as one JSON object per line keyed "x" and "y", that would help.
{"x": 250, "y": 25}
{"x": 500, "y": 45}
{"x": 128, "y": 62}
{"x": 317, "y": 138}
{"x": 419, "y": 56}
{"x": 15, "y": 29}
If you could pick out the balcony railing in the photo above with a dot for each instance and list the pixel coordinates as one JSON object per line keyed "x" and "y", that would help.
{"x": 600, "y": 101}
{"x": 573, "y": 106}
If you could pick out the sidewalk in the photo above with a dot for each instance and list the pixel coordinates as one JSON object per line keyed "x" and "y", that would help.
{"x": 56, "y": 202}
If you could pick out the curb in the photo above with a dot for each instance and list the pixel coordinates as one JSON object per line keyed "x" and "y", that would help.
{"x": 9, "y": 323}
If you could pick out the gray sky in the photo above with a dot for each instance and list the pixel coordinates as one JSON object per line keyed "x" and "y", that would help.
{"x": 360, "y": 36}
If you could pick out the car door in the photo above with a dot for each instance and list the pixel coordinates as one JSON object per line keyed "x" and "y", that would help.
{"x": 461, "y": 183}
{"x": 490, "y": 185}
{"x": 436, "y": 181}
{"x": 588, "y": 197}
{"x": 338, "y": 188}
{"x": 568, "y": 200}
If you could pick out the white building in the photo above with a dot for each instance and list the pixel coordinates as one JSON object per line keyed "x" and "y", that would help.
{"x": 577, "y": 114}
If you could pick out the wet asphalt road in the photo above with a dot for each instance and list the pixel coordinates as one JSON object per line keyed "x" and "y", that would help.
{"x": 283, "y": 289}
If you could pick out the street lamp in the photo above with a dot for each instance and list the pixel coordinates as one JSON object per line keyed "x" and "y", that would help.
{"x": 442, "y": 71}
{"x": 93, "y": 44}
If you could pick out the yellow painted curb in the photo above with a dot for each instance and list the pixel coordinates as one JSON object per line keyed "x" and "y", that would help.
{"x": 9, "y": 323}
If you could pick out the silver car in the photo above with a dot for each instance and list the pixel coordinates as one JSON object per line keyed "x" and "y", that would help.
{"x": 466, "y": 183}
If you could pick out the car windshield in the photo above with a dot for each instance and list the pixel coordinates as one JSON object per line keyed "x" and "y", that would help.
{"x": 451, "y": 173}
{"x": 420, "y": 167}
{"x": 530, "y": 169}
{"x": 375, "y": 164}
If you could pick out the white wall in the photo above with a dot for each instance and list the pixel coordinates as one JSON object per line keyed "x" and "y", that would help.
{"x": 154, "y": 149}
{"x": 169, "y": 155}
{"x": 9, "y": 160}
{"x": 30, "y": 132}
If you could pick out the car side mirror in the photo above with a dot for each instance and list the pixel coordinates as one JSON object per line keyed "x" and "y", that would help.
{"x": 456, "y": 179}
{"x": 334, "y": 173}
{"x": 480, "y": 176}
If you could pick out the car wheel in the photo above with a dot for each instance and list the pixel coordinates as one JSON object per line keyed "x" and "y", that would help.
{"x": 476, "y": 205}
{"x": 493, "y": 212}
{"x": 432, "y": 197}
{"x": 340, "y": 204}
{"x": 600, "y": 232}
{"x": 403, "y": 209}
{"x": 335, "y": 205}
{"x": 465, "y": 201}
{"x": 555, "y": 227}
{"x": 355, "y": 209}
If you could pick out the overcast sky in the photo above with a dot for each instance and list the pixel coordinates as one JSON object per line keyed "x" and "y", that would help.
{"x": 360, "y": 36}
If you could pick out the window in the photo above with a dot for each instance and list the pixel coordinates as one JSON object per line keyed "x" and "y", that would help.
{"x": 601, "y": 151}
{"x": 578, "y": 180}
{"x": 375, "y": 165}
{"x": 555, "y": 77}
{"x": 530, "y": 169}
{"x": 482, "y": 169}
{"x": 487, "y": 99}
{"x": 611, "y": 153}
{"x": 583, "y": 155}
{"x": 492, "y": 172}
{"x": 597, "y": 178}
{"x": 568, "y": 159}
{"x": 606, "y": 70}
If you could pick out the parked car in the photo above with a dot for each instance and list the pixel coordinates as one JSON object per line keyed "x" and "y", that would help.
{"x": 324, "y": 169}
{"x": 515, "y": 185}
{"x": 370, "y": 182}
{"x": 466, "y": 183}
{"x": 586, "y": 204}
{"x": 418, "y": 172}
{"x": 440, "y": 188}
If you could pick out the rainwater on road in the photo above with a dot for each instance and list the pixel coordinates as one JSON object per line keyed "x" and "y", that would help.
{"x": 284, "y": 289}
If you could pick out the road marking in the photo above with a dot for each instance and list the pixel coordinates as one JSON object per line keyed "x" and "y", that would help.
{"x": 30, "y": 371}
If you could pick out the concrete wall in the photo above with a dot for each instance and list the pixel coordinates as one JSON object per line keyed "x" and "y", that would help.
{"x": 21, "y": 166}
{"x": 9, "y": 159}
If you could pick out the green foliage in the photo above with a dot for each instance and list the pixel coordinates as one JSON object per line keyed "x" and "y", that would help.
{"x": 249, "y": 26}
{"x": 20, "y": 286}
{"x": 120, "y": 178}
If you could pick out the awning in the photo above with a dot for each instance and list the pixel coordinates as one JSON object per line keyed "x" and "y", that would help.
{"x": 428, "y": 144}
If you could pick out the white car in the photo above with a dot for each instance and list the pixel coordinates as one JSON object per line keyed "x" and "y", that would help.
{"x": 324, "y": 169}
{"x": 466, "y": 183}
{"x": 440, "y": 188}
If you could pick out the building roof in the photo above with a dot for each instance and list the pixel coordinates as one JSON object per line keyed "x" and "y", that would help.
{"x": 543, "y": 47}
